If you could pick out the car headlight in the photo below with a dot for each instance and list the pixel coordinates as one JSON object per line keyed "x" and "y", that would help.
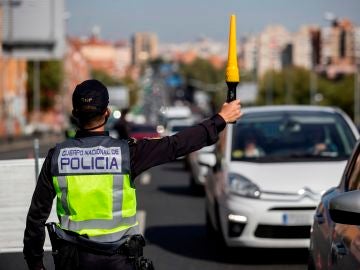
{"x": 242, "y": 186}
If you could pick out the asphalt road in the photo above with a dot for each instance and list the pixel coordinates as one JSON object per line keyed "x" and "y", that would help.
{"x": 175, "y": 230}
{"x": 176, "y": 235}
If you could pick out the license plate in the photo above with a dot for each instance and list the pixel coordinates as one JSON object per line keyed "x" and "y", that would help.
{"x": 296, "y": 218}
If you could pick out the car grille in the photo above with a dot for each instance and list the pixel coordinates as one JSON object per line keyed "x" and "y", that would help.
{"x": 296, "y": 208}
{"x": 283, "y": 232}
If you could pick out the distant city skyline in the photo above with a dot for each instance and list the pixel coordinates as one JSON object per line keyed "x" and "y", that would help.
{"x": 186, "y": 20}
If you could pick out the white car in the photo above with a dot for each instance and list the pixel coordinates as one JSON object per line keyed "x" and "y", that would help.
{"x": 174, "y": 126}
{"x": 198, "y": 171}
{"x": 269, "y": 171}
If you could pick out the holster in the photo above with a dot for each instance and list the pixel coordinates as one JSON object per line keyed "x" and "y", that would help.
{"x": 57, "y": 234}
{"x": 144, "y": 264}
{"x": 133, "y": 249}
{"x": 131, "y": 246}
{"x": 54, "y": 239}
{"x": 65, "y": 254}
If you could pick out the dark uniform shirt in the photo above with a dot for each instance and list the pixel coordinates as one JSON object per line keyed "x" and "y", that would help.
{"x": 144, "y": 154}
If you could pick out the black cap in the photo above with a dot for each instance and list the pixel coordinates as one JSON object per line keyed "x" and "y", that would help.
{"x": 90, "y": 98}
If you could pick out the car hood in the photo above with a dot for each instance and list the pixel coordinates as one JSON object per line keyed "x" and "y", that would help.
{"x": 291, "y": 177}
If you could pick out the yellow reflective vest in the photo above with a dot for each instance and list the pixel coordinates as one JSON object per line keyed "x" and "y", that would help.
{"x": 95, "y": 196}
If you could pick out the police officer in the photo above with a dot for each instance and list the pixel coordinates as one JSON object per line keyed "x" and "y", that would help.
{"x": 92, "y": 176}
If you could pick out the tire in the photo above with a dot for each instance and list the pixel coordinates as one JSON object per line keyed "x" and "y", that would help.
{"x": 311, "y": 263}
{"x": 210, "y": 230}
{"x": 219, "y": 233}
{"x": 196, "y": 188}
{"x": 186, "y": 165}
{"x": 215, "y": 234}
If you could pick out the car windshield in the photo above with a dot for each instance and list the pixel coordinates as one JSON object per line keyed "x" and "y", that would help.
{"x": 292, "y": 136}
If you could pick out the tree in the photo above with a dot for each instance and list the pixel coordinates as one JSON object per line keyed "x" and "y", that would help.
{"x": 292, "y": 86}
{"x": 127, "y": 81}
{"x": 202, "y": 70}
{"x": 51, "y": 79}
{"x": 105, "y": 78}
{"x": 205, "y": 73}
{"x": 284, "y": 87}
{"x": 133, "y": 90}
{"x": 338, "y": 93}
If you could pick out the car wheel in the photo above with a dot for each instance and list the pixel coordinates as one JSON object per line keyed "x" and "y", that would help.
{"x": 210, "y": 230}
{"x": 311, "y": 263}
{"x": 218, "y": 236}
{"x": 186, "y": 164}
{"x": 195, "y": 187}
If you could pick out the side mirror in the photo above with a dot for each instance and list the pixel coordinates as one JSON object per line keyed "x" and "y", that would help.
{"x": 345, "y": 208}
{"x": 207, "y": 159}
{"x": 207, "y": 149}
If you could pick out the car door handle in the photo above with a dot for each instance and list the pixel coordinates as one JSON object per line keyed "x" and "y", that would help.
{"x": 339, "y": 249}
{"x": 319, "y": 218}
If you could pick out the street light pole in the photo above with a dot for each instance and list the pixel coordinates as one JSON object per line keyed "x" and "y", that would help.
{"x": 269, "y": 87}
{"x": 313, "y": 86}
{"x": 313, "y": 75}
{"x": 36, "y": 89}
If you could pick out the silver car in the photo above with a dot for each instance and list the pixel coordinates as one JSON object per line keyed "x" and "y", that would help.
{"x": 335, "y": 236}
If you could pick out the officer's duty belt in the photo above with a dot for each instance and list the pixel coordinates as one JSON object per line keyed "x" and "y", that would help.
{"x": 107, "y": 248}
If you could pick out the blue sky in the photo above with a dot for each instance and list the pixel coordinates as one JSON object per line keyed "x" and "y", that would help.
{"x": 184, "y": 20}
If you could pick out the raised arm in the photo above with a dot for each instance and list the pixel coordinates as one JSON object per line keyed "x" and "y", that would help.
{"x": 152, "y": 152}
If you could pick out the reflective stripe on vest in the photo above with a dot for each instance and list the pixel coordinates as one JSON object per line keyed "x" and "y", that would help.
{"x": 94, "y": 194}
{"x": 101, "y": 206}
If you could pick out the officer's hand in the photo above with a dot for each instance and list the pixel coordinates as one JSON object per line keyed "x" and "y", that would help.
{"x": 230, "y": 112}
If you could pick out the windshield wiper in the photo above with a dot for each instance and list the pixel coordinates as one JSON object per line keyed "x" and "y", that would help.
{"x": 302, "y": 155}
{"x": 325, "y": 154}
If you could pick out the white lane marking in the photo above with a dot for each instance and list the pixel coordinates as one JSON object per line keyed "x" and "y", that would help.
{"x": 145, "y": 178}
{"x": 11, "y": 250}
{"x": 141, "y": 217}
{"x": 19, "y": 250}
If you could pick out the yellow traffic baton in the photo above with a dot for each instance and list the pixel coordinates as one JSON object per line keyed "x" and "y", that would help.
{"x": 232, "y": 71}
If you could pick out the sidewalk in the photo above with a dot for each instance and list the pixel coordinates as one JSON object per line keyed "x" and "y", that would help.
{"x": 17, "y": 184}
